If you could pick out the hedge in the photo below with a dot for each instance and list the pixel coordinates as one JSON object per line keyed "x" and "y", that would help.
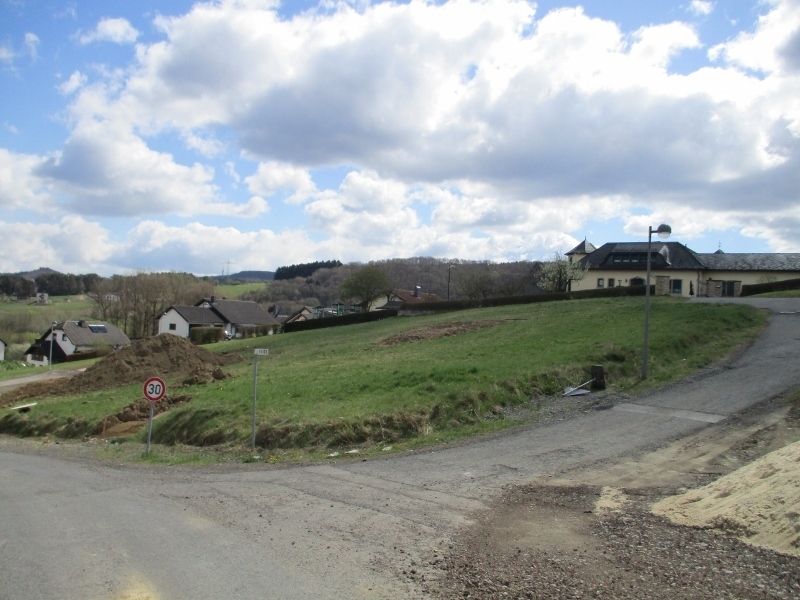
{"x": 615, "y": 292}
{"x": 350, "y": 319}
{"x": 206, "y": 335}
{"x": 772, "y": 286}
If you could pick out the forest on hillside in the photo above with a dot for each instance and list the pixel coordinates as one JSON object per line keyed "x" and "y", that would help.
{"x": 468, "y": 280}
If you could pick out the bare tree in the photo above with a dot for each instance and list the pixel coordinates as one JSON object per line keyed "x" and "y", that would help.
{"x": 555, "y": 275}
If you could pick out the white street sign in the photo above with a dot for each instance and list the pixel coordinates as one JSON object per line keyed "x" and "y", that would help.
{"x": 262, "y": 352}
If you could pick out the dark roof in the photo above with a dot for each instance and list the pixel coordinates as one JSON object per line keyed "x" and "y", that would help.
{"x": 93, "y": 333}
{"x": 408, "y": 296}
{"x": 198, "y": 315}
{"x": 751, "y": 262}
{"x": 583, "y": 248}
{"x": 240, "y": 312}
{"x": 672, "y": 255}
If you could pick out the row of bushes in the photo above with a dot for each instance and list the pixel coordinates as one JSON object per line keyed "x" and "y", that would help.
{"x": 772, "y": 286}
{"x": 350, "y": 319}
{"x": 615, "y": 292}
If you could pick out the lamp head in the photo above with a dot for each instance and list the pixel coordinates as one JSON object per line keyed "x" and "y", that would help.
{"x": 663, "y": 231}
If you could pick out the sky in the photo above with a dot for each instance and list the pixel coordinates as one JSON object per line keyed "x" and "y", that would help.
{"x": 215, "y": 137}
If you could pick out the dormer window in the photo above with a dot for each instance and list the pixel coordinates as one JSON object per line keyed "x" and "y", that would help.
{"x": 98, "y": 329}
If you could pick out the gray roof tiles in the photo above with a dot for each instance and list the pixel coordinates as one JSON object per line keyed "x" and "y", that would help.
{"x": 80, "y": 333}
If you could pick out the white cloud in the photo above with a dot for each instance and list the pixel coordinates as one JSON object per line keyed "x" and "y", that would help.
{"x": 468, "y": 127}
{"x": 203, "y": 248}
{"x": 118, "y": 31}
{"x": 6, "y": 55}
{"x": 32, "y": 44}
{"x": 273, "y": 176}
{"x": 773, "y": 47}
{"x": 701, "y": 8}
{"x": 106, "y": 170}
{"x": 19, "y": 187}
{"x": 76, "y": 81}
{"x": 70, "y": 245}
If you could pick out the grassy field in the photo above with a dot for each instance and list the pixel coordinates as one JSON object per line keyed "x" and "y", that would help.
{"x": 232, "y": 292}
{"x": 347, "y": 387}
{"x": 22, "y": 321}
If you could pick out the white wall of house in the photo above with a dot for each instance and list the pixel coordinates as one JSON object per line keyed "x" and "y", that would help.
{"x": 63, "y": 342}
{"x": 2, "y": 350}
{"x": 602, "y": 278}
{"x": 172, "y": 322}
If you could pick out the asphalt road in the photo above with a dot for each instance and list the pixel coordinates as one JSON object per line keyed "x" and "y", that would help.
{"x": 78, "y": 529}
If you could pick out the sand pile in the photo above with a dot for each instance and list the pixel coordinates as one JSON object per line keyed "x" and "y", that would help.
{"x": 759, "y": 503}
{"x": 160, "y": 356}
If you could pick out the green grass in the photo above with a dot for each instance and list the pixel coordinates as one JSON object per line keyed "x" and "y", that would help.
{"x": 340, "y": 388}
{"x": 234, "y": 291}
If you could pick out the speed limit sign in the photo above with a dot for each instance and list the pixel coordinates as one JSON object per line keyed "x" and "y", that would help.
{"x": 154, "y": 389}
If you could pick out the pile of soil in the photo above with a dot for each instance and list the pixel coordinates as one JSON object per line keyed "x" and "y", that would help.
{"x": 160, "y": 355}
{"x": 439, "y": 331}
{"x": 135, "y": 415}
{"x": 759, "y": 503}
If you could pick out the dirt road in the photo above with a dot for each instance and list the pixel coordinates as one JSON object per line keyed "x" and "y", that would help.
{"x": 391, "y": 528}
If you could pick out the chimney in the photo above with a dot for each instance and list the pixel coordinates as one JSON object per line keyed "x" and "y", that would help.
{"x": 213, "y": 299}
{"x": 417, "y": 291}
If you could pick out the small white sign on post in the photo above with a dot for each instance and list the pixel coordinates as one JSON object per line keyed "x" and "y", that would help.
{"x": 258, "y": 352}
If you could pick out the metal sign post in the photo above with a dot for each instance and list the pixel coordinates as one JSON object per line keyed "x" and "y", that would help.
{"x": 258, "y": 352}
{"x": 154, "y": 389}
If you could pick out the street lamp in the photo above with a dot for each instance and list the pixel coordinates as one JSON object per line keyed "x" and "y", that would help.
{"x": 52, "y": 341}
{"x": 663, "y": 232}
{"x": 449, "y": 270}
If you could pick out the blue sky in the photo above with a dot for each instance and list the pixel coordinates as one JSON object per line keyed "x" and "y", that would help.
{"x": 184, "y": 135}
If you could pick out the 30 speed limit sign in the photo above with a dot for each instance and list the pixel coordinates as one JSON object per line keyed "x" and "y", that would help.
{"x": 154, "y": 389}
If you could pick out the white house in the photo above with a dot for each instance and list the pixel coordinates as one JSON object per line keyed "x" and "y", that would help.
{"x": 75, "y": 337}
{"x": 677, "y": 270}
{"x": 3, "y": 350}
{"x": 233, "y": 316}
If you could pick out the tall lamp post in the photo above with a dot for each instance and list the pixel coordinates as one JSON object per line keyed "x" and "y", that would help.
{"x": 449, "y": 271}
{"x": 663, "y": 232}
{"x": 52, "y": 341}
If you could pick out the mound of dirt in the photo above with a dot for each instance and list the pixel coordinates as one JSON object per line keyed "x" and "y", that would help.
{"x": 160, "y": 355}
{"x": 759, "y": 503}
{"x": 438, "y": 331}
{"x": 136, "y": 414}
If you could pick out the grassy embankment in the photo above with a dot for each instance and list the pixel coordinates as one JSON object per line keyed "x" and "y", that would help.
{"x": 343, "y": 387}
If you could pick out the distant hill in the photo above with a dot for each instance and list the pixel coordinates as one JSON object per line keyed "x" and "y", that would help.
{"x": 31, "y": 275}
{"x": 248, "y": 276}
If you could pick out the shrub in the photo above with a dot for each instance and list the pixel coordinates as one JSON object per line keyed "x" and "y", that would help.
{"x": 206, "y": 335}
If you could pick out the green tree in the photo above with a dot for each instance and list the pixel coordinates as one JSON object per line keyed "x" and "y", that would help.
{"x": 365, "y": 286}
{"x": 555, "y": 275}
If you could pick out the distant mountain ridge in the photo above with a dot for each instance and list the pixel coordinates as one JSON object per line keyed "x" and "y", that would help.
{"x": 31, "y": 275}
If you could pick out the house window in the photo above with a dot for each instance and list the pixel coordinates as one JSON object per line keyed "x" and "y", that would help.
{"x": 676, "y": 286}
{"x": 173, "y": 326}
{"x": 63, "y": 337}
{"x": 610, "y": 282}
{"x": 600, "y": 282}
{"x": 98, "y": 329}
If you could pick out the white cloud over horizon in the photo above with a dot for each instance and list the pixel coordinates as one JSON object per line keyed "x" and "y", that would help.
{"x": 469, "y": 128}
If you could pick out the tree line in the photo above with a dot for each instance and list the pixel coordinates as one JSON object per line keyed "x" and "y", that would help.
{"x": 304, "y": 269}
{"x": 134, "y": 303}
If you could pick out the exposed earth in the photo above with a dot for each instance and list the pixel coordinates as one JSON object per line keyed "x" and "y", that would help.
{"x": 161, "y": 355}
{"x": 595, "y": 535}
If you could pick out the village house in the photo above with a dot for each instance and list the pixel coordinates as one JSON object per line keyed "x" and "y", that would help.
{"x": 400, "y": 297}
{"x": 677, "y": 270}
{"x": 234, "y": 316}
{"x": 73, "y": 340}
